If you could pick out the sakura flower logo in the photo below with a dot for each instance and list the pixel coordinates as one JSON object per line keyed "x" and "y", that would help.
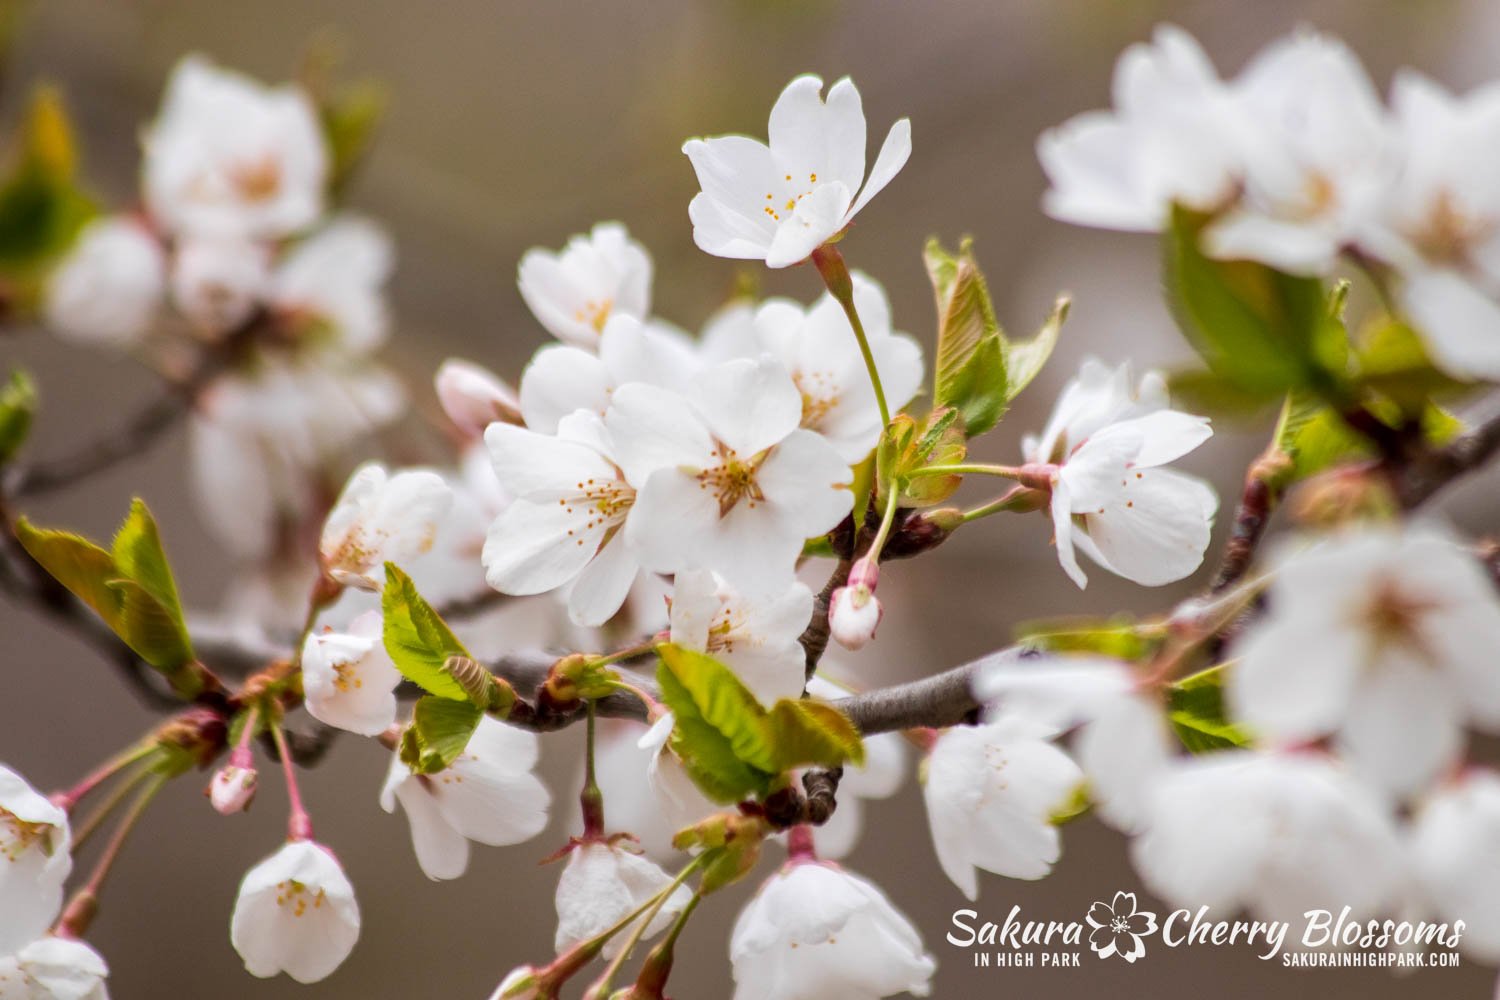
{"x": 1118, "y": 927}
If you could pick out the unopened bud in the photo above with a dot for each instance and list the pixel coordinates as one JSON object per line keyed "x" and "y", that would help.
{"x": 521, "y": 983}
{"x": 231, "y": 789}
{"x": 1342, "y": 496}
{"x": 473, "y": 398}
{"x": 864, "y": 573}
{"x": 853, "y": 615}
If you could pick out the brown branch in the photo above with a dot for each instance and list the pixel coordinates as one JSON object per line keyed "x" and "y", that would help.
{"x": 1265, "y": 483}
{"x": 1417, "y": 480}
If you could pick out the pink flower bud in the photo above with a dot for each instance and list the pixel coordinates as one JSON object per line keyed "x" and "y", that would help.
{"x": 232, "y": 788}
{"x": 864, "y": 573}
{"x": 853, "y": 615}
{"x": 473, "y": 398}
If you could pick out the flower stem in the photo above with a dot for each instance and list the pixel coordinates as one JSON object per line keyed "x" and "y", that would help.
{"x": 68, "y": 799}
{"x": 119, "y": 794}
{"x": 85, "y": 902}
{"x": 799, "y": 844}
{"x": 835, "y": 273}
{"x": 886, "y": 521}
{"x": 962, "y": 469}
{"x": 324, "y": 592}
{"x": 298, "y": 824}
{"x": 591, "y": 799}
{"x": 1021, "y": 500}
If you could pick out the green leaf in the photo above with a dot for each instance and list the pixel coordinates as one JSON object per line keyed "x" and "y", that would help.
{"x": 1316, "y": 437}
{"x": 1259, "y": 329}
{"x": 131, "y": 589}
{"x": 806, "y": 732}
{"x": 707, "y": 754}
{"x": 723, "y": 702}
{"x": 1024, "y": 359}
{"x": 440, "y": 730}
{"x": 977, "y": 370}
{"x": 41, "y": 206}
{"x": 351, "y": 117}
{"x": 1195, "y": 708}
{"x": 417, "y": 640}
{"x": 730, "y": 744}
{"x": 138, "y": 553}
{"x": 76, "y": 563}
{"x": 151, "y": 628}
{"x": 1201, "y": 391}
{"x": 1120, "y": 637}
{"x": 910, "y": 447}
{"x": 17, "y": 407}
{"x": 969, "y": 367}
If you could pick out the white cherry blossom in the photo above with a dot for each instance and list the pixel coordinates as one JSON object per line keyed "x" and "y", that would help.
{"x": 381, "y": 518}
{"x": 817, "y": 346}
{"x": 109, "y": 288}
{"x": 488, "y": 795}
{"x": 330, "y": 285}
{"x": 54, "y": 968}
{"x": 348, "y": 680}
{"x": 1121, "y": 738}
{"x": 1111, "y": 496}
{"x": 756, "y": 637}
{"x": 217, "y": 281}
{"x": 562, "y": 379}
{"x": 1455, "y": 844}
{"x": 35, "y": 859}
{"x": 229, "y": 156}
{"x": 779, "y": 202}
{"x": 1316, "y": 152}
{"x": 1277, "y": 834}
{"x": 1170, "y": 137}
{"x": 815, "y": 931}
{"x": 1384, "y": 640}
{"x": 1439, "y": 222}
{"x": 295, "y": 913}
{"x": 573, "y": 293}
{"x": 565, "y": 523}
{"x": 601, "y": 885}
{"x": 992, "y": 791}
{"x": 727, "y": 479}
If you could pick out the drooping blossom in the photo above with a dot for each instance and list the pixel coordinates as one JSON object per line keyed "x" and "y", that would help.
{"x": 35, "y": 859}
{"x": 295, "y": 913}
{"x": 601, "y": 885}
{"x": 488, "y": 795}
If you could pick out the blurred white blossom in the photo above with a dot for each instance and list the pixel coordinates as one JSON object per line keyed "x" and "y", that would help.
{"x": 109, "y": 288}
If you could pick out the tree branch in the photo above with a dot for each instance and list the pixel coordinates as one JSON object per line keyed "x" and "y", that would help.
{"x": 1418, "y": 480}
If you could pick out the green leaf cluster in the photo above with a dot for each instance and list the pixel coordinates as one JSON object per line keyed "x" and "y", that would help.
{"x": 1195, "y": 708}
{"x": 130, "y": 587}
{"x": 427, "y": 653}
{"x": 731, "y": 745}
{"x": 978, "y": 370}
{"x": 17, "y": 407}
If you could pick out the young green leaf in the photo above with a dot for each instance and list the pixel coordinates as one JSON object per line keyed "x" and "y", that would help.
{"x": 440, "y": 730}
{"x": 1260, "y": 329}
{"x": 138, "y": 553}
{"x": 806, "y": 732}
{"x": 76, "y": 563}
{"x": 723, "y": 702}
{"x": 707, "y": 754}
{"x": 417, "y": 640}
{"x": 41, "y": 206}
{"x": 1195, "y": 708}
{"x": 17, "y": 407}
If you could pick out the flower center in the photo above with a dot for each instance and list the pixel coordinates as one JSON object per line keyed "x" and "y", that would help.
{"x": 1119, "y": 925}
{"x": 595, "y": 314}
{"x": 1447, "y": 232}
{"x": 774, "y": 205}
{"x": 819, "y": 396}
{"x": 732, "y": 480}
{"x": 18, "y": 835}
{"x": 298, "y": 897}
{"x": 257, "y": 180}
{"x": 346, "y": 677}
{"x": 602, "y": 502}
{"x": 1394, "y": 615}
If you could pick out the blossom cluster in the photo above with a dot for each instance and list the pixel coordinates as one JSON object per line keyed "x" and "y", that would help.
{"x": 1295, "y": 738}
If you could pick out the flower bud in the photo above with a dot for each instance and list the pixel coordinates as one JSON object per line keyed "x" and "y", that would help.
{"x": 521, "y": 983}
{"x": 853, "y": 615}
{"x": 473, "y": 398}
{"x": 231, "y": 789}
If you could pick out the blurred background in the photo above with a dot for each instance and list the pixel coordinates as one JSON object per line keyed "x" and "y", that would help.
{"x": 514, "y": 124}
